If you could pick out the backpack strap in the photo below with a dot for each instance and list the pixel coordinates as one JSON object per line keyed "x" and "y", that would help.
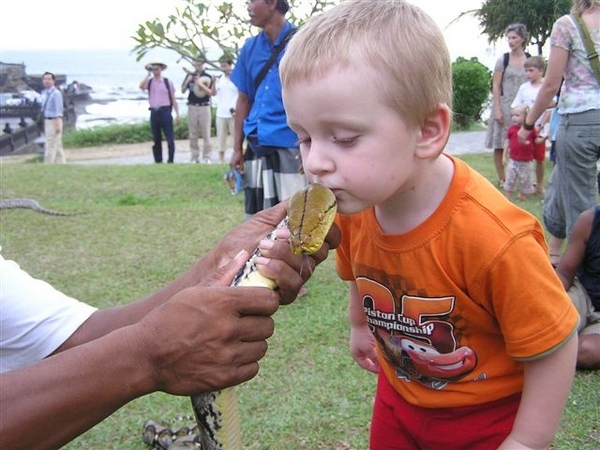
{"x": 592, "y": 54}
{"x": 505, "y": 62}
{"x": 169, "y": 91}
{"x": 166, "y": 80}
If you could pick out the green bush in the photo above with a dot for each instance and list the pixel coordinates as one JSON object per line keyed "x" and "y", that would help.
{"x": 123, "y": 134}
{"x": 471, "y": 84}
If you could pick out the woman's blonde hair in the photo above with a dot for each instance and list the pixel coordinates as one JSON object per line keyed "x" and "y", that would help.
{"x": 396, "y": 40}
{"x": 580, "y": 6}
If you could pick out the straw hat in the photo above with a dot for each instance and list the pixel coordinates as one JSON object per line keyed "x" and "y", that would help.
{"x": 163, "y": 66}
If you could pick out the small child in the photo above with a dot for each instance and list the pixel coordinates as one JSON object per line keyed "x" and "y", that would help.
{"x": 534, "y": 71}
{"x": 519, "y": 156}
{"x": 474, "y": 345}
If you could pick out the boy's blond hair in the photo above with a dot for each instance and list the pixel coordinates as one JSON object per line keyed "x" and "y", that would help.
{"x": 401, "y": 45}
{"x": 535, "y": 61}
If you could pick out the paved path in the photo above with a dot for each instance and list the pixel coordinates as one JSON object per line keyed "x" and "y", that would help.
{"x": 459, "y": 143}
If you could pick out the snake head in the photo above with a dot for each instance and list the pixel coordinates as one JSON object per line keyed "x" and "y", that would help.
{"x": 311, "y": 213}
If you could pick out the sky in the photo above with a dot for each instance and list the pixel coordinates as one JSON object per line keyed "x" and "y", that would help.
{"x": 109, "y": 24}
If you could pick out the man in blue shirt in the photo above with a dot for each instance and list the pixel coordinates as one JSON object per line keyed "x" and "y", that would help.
{"x": 272, "y": 163}
{"x": 52, "y": 109}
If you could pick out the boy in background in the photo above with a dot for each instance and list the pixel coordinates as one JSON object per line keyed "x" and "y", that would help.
{"x": 534, "y": 71}
{"x": 465, "y": 336}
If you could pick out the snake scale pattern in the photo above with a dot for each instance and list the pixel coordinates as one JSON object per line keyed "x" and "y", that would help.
{"x": 311, "y": 212}
{"x": 29, "y": 203}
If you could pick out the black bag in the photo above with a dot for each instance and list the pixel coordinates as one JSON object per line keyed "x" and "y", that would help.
{"x": 39, "y": 121}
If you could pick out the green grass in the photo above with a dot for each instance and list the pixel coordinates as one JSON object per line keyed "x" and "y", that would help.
{"x": 146, "y": 224}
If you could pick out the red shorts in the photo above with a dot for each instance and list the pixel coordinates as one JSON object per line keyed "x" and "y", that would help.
{"x": 397, "y": 424}
{"x": 539, "y": 151}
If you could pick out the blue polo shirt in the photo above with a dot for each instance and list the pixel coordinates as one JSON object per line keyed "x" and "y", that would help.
{"x": 267, "y": 116}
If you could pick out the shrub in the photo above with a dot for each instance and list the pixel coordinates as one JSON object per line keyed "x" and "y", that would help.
{"x": 123, "y": 134}
{"x": 471, "y": 84}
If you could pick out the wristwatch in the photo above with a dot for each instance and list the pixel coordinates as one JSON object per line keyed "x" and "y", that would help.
{"x": 527, "y": 127}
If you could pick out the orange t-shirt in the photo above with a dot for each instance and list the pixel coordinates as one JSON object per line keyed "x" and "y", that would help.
{"x": 456, "y": 303}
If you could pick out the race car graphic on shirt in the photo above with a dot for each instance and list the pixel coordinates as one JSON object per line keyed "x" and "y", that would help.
{"x": 416, "y": 335}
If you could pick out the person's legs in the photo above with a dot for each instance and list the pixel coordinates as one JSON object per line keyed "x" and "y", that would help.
{"x": 286, "y": 173}
{"x": 578, "y": 149}
{"x": 60, "y": 157}
{"x": 194, "y": 132}
{"x": 51, "y": 141}
{"x": 253, "y": 182}
{"x": 499, "y": 164}
{"x": 540, "y": 157}
{"x": 205, "y": 121}
{"x": 167, "y": 126}
{"x": 396, "y": 424}
{"x": 155, "y": 127}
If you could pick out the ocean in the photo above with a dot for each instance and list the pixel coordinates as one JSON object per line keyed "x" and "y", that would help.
{"x": 113, "y": 75}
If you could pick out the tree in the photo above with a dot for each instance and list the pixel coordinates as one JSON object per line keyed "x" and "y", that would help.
{"x": 198, "y": 26}
{"x": 471, "y": 86}
{"x": 538, "y": 15}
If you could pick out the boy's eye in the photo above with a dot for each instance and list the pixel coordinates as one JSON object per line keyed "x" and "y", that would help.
{"x": 345, "y": 142}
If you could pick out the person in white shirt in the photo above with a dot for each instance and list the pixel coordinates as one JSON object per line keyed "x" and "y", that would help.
{"x": 227, "y": 95}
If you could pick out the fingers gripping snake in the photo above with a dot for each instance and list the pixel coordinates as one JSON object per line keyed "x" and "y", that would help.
{"x": 311, "y": 212}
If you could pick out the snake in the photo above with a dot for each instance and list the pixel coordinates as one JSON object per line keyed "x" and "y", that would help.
{"x": 311, "y": 212}
{"x": 29, "y": 203}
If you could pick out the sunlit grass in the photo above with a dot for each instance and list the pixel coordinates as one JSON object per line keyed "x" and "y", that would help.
{"x": 146, "y": 224}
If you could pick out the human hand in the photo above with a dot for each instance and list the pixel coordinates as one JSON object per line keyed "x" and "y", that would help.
{"x": 523, "y": 135}
{"x": 237, "y": 160}
{"x": 498, "y": 116}
{"x": 289, "y": 271}
{"x": 206, "y": 337}
{"x": 363, "y": 348}
{"x": 177, "y": 119}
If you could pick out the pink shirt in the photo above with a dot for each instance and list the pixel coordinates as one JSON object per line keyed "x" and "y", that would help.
{"x": 158, "y": 95}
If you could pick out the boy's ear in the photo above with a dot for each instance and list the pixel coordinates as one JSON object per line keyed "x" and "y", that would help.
{"x": 435, "y": 133}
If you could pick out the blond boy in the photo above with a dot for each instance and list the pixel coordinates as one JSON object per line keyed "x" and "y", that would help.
{"x": 463, "y": 335}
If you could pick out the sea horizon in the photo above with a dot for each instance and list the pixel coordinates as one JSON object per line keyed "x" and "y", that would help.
{"x": 113, "y": 74}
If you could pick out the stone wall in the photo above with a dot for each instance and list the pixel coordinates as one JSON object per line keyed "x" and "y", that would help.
{"x": 13, "y": 78}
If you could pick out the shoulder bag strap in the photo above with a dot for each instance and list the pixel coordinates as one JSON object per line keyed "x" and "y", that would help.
{"x": 169, "y": 91}
{"x": 276, "y": 51}
{"x": 592, "y": 54}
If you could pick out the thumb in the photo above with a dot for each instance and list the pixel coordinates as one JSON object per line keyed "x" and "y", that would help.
{"x": 224, "y": 275}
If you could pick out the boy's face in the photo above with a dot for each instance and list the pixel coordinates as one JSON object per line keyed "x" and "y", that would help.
{"x": 351, "y": 140}
{"x": 533, "y": 74}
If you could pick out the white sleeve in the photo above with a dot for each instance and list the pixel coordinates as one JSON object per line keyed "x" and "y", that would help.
{"x": 35, "y": 318}
{"x": 518, "y": 98}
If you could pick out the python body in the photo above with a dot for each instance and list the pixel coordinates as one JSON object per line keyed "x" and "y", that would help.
{"x": 29, "y": 203}
{"x": 311, "y": 212}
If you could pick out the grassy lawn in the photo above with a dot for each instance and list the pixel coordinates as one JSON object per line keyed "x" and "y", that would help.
{"x": 143, "y": 226}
